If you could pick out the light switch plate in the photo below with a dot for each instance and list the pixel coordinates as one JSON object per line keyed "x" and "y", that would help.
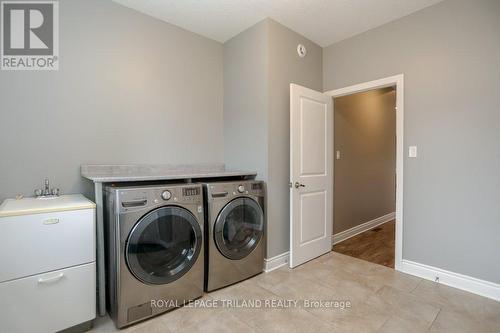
{"x": 412, "y": 151}
{"x": 337, "y": 155}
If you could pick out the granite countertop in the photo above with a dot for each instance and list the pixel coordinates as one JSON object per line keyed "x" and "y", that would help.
{"x": 127, "y": 173}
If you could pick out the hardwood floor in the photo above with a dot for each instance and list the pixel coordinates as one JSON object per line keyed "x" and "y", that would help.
{"x": 375, "y": 245}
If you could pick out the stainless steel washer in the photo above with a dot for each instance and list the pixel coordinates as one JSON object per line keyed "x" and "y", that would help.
{"x": 154, "y": 249}
{"x": 235, "y": 237}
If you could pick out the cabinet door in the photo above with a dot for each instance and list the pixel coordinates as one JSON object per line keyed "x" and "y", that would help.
{"x": 48, "y": 302}
{"x": 33, "y": 244}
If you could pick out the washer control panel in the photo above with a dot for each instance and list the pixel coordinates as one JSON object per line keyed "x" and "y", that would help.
{"x": 191, "y": 191}
{"x": 132, "y": 198}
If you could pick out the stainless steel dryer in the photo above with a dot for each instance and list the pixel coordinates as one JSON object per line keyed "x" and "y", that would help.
{"x": 234, "y": 237}
{"x": 154, "y": 249}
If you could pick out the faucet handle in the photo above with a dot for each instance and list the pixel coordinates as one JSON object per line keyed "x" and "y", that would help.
{"x": 47, "y": 187}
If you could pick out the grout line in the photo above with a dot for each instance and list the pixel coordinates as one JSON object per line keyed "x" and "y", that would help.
{"x": 385, "y": 322}
{"x": 251, "y": 327}
{"x": 434, "y": 320}
{"x": 415, "y": 288}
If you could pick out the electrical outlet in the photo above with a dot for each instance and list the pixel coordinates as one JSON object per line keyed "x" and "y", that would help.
{"x": 412, "y": 151}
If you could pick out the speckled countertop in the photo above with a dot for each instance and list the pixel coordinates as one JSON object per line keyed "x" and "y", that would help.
{"x": 128, "y": 173}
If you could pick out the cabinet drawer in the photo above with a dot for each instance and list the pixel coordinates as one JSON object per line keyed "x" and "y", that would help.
{"x": 33, "y": 244}
{"x": 48, "y": 302}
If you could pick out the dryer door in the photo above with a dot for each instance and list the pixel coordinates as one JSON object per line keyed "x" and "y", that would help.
{"x": 239, "y": 228}
{"x": 163, "y": 245}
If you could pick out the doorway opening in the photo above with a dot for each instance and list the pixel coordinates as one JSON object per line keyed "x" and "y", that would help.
{"x": 365, "y": 175}
{"x": 368, "y": 164}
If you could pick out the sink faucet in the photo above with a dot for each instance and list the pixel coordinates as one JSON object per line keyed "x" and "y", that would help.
{"x": 46, "y": 192}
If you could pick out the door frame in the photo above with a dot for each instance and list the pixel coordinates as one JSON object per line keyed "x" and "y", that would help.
{"x": 398, "y": 82}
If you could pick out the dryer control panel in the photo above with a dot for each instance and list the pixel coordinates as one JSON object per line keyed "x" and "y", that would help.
{"x": 231, "y": 189}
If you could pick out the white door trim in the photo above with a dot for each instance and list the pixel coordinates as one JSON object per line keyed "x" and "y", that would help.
{"x": 396, "y": 80}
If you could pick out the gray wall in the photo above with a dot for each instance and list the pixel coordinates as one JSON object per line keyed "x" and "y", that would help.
{"x": 449, "y": 54}
{"x": 246, "y": 100}
{"x": 285, "y": 67}
{"x": 365, "y": 174}
{"x": 130, "y": 89}
{"x": 259, "y": 65}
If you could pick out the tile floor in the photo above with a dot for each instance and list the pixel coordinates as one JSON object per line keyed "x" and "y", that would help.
{"x": 382, "y": 300}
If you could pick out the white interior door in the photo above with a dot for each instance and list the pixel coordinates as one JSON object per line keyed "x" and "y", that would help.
{"x": 311, "y": 174}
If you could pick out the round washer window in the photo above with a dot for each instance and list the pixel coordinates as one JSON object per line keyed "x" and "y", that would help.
{"x": 239, "y": 227}
{"x": 163, "y": 245}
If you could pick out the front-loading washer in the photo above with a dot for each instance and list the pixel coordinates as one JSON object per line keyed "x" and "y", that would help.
{"x": 154, "y": 250}
{"x": 234, "y": 231}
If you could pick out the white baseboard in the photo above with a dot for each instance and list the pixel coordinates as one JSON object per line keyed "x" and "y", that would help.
{"x": 276, "y": 262}
{"x": 342, "y": 236}
{"x": 456, "y": 280}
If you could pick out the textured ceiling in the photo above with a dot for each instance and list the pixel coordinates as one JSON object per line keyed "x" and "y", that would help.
{"x": 322, "y": 21}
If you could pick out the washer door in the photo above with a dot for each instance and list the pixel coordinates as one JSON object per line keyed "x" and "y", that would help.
{"x": 163, "y": 245}
{"x": 239, "y": 228}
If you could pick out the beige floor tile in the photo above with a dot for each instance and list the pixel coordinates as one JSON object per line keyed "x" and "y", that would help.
{"x": 300, "y": 288}
{"x": 286, "y": 320}
{"x": 460, "y": 322}
{"x": 349, "y": 286}
{"x": 396, "y": 324}
{"x": 281, "y": 275}
{"x": 381, "y": 300}
{"x": 317, "y": 281}
{"x": 153, "y": 325}
{"x": 250, "y": 292}
{"x": 266, "y": 319}
{"x": 348, "y": 263}
{"x": 248, "y": 289}
{"x": 386, "y": 276}
{"x": 457, "y": 300}
{"x": 219, "y": 322}
{"x": 358, "y": 318}
{"x": 192, "y": 315}
{"x": 371, "y": 275}
{"x": 315, "y": 270}
{"x": 405, "y": 306}
{"x": 358, "y": 326}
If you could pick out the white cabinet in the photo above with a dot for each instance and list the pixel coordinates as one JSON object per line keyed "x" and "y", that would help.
{"x": 48, "y": 302}
{"x": 30, "y": 244}
{"x": 47, "y": 260}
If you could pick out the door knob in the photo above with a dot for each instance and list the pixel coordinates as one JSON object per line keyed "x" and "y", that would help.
{"x": 297, "y": 185}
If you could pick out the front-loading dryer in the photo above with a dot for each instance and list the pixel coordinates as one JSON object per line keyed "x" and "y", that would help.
{"x": 234, "y": 232}
{"x": 154, "y": 249}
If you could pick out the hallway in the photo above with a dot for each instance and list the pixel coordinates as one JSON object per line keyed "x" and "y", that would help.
{"x": 375, "y": 245}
